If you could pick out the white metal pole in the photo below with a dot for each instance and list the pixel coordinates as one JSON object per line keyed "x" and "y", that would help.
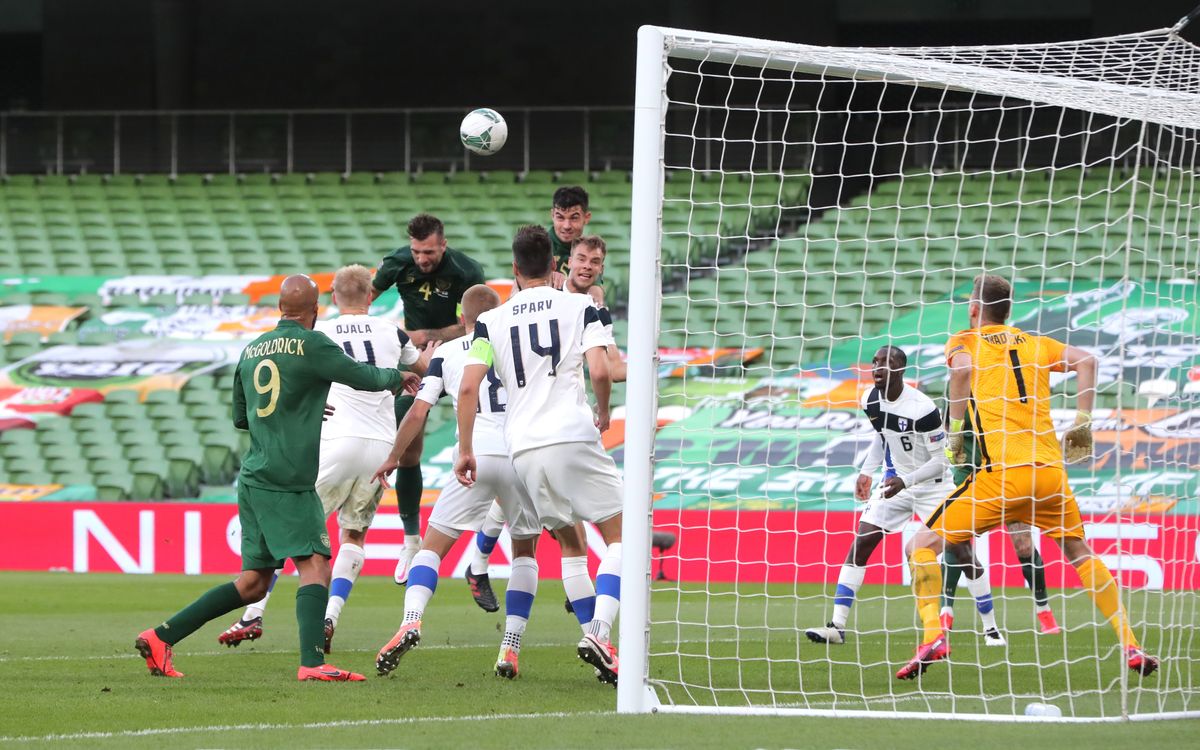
{"x": 641, "y": 402}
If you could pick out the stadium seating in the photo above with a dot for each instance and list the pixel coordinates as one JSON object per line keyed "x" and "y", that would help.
{"x": 796, "y": 292}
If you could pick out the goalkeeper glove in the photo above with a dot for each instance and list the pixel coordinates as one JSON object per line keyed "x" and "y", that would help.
{"x": 955, "y": 451}
{"x": 1079, "y": 439}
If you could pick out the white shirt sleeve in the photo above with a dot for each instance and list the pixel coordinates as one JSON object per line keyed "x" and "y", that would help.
{"x": 874, "y": 457}
{"x": 931, "y": 431}
{"x": 432, "y": 385}
{"x": 408, "y": 352}
{"x": 594, "y": 333}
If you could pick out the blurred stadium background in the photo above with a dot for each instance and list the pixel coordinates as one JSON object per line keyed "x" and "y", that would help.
{"x": 164, "y": 163}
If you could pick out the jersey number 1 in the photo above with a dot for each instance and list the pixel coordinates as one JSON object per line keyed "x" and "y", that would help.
{"x": 348, "y": 346}
{"x": 554, "y": 351}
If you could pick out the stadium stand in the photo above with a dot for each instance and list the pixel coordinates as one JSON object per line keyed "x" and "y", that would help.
{"x": 781, "y": 280}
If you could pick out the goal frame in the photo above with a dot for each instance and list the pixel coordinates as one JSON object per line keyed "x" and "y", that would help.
{"x": 635, "y": 694}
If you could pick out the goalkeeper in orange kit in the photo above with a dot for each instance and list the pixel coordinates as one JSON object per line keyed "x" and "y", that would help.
{"x": 1000, "y": 386}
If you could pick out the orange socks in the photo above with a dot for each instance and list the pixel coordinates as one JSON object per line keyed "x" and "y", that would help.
{"x": 927, "y": 588}
{"x": 1107, "y": 596}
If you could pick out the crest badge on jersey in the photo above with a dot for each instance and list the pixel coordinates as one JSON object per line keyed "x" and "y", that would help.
{"x": 903, "y": 422}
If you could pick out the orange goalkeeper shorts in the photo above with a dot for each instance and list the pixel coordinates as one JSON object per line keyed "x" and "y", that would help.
{"x": 1037, "y": 495}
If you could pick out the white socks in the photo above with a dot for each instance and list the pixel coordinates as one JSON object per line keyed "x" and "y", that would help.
{"x": 849, "y": 582}
{"x": 346, "y": 568}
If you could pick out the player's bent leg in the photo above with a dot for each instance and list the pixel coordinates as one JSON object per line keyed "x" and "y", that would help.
{"x": 155, "y": 644}
{"x": 346, "y": 567}
{"x": 850, "y": 579}
{"x": 596, "y": 647}
{"x": 422, "y": 583}
{"x": 409, "y": 486}
{"x": 486, "y": 538}
{"x": 249, "y": 627}
{"x": 1033, "y": 569}
{"x": 477, "y": 573}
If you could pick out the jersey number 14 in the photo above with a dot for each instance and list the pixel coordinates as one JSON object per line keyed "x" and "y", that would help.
{"x": 554, "y": 351}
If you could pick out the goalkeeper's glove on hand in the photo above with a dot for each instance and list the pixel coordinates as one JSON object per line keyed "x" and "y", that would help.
{"x": 1079, "y": 439}
{"x": 955, "y": 450}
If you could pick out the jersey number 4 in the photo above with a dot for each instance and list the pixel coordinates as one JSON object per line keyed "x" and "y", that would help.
{"x": 554, "y": 351}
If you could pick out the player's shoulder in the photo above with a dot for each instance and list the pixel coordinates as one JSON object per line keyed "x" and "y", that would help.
{"x": 463, "y": 264}
{"x": 870, "y": 398}
{"x": 960, "y": 342}
{"x": 452, "y": 347}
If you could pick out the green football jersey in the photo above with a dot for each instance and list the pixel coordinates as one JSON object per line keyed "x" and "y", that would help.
{"x": 279, "y": 392}
{"x": 430, "y": 299}
{"x": 562, "y": 253}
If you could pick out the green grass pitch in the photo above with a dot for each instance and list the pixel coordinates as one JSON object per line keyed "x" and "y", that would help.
{"x": 72, "y": 679}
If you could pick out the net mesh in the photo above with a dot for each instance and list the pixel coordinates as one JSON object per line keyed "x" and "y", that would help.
{"x": 822, "y": 202}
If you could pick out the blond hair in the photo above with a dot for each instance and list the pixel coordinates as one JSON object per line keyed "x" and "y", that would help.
{"x": 352, "y": 285}
{"x": 476, "y": 301}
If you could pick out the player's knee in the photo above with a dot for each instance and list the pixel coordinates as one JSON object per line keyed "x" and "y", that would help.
{"x": 1022, "y": 545}
{"x": 353, "y": 536}
{"x": 524, "y": 547}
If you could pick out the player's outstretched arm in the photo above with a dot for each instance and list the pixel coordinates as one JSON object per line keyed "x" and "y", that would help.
{"x": 1078, "y": 439}
{"x": 240, "y": 420}
{"x": 425, "y": 336}
{"x": 331, "y": 363}
{"x": 597, "y": 361}
{"x": 410, "y": 427}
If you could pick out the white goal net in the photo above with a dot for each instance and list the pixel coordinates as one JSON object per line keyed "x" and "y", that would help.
{"x": 795, "y": 209}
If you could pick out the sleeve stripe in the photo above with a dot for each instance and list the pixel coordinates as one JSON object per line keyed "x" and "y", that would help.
{"x": 590, "y": 315}
{"x": 931, "y": 422}
{"x": 605, "y": 316}
{"x": 404, "y": 339}
{"x": 481, "y": 331}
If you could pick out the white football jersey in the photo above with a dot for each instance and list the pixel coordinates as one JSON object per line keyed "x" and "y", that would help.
{"x": 444, "y": 377}
{"x": 378, "y": 342}
{"x": 910, "y": 432}
{"x": 538, "y": 339}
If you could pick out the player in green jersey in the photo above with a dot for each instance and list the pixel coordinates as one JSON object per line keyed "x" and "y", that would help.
{"x": 280, "y": 386}
{"x": 431, "y": 279}
{"x": 569, "y": 214}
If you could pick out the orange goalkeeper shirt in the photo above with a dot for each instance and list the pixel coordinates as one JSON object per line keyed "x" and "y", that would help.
{"x": 1009, "y": 406}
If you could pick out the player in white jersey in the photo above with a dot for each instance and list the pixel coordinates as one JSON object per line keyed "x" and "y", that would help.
{"x": 355, "y": 439}
{"x": 584, "y": 266}
{"x": 909, "y": 443}
{"x": 537, "y": 342}
{"x": 461, "y": 508}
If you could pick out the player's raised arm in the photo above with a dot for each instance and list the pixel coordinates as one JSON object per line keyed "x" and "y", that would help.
{"x": 240, "y": 420}
{"x": 1078, "y": 439}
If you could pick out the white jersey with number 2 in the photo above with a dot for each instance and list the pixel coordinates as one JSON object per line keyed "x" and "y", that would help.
{"x": 538, "y": 339}
{"x": 378, "y": 342}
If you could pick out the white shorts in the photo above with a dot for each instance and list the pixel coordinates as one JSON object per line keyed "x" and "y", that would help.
{"x": 460, "y": 509}
{"x": 571, "y": 482}
{"x": 894, "y": 512}
{"x": 344, "y": 479}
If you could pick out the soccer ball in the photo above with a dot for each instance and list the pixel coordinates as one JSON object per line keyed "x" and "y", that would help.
{"x": 483, "y": 132}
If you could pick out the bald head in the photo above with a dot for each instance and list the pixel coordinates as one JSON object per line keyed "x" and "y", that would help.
{"x": 298, "y": 299}
{"x": 476, "y": 301}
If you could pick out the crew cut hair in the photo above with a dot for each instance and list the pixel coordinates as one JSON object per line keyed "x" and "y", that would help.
{"x": 532, "y": 252}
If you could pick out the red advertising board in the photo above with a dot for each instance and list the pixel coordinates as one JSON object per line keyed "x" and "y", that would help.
{"x": 1160, "y": 551}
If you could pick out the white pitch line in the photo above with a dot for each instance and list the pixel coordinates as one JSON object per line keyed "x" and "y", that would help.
{"x": 307, "y": 725}
{"x": 187, "y": 655}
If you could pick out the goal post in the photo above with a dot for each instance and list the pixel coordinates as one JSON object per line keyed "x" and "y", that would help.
{"x": 794, "y": 208}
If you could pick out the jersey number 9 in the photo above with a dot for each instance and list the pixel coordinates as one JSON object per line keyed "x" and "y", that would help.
{"x": 270, "y": 387}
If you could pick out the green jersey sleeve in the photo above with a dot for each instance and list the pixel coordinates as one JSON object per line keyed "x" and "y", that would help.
{"x": 386, "y": 274}
{"x": 330, "y": 363}
{"x": 240, "y": 421}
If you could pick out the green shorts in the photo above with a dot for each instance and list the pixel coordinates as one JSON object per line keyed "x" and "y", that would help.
{"x": 280, "y": 525}
{"x": 403, "y": 404}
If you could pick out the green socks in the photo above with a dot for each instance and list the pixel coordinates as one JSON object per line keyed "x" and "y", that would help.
{"x": 212, "y": 604}
{"x": 953, "y": 572}
{"x": 409, "y": 486}
{"x": 1034, "y": 571}
{"x": 310, "y": 616}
